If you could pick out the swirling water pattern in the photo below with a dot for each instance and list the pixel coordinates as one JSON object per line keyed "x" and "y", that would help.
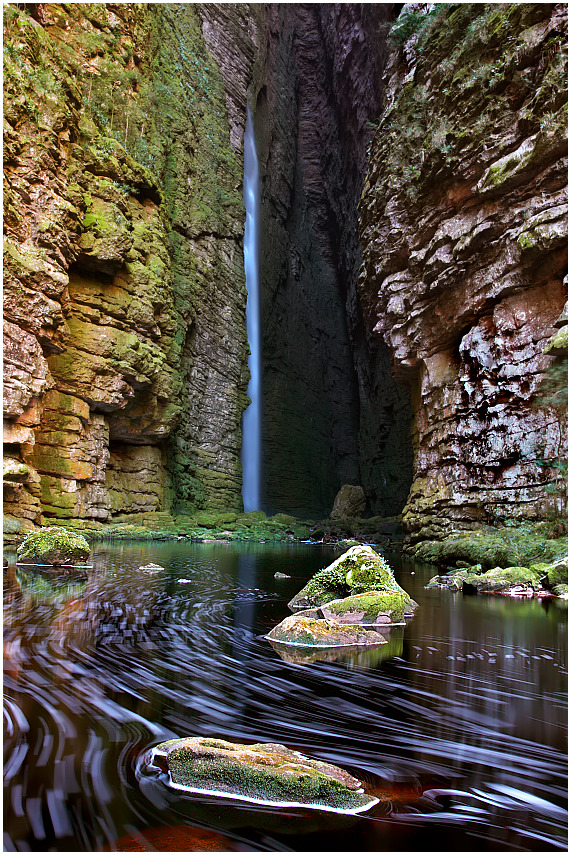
{"x": 458, "y": 724}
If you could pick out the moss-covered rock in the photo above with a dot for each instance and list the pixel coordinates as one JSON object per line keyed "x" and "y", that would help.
{"x": 307, "y": 631}
{"x": 359, "y": 570}
{"x": 268, "y": 772}
{"x": 53, "y": 545}
{"x": 369, "y": 609}
{"x": 518, "y": 545}
{"x": 503, "y": 579}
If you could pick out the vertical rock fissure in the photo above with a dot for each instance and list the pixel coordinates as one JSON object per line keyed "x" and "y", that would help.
{"x": 325, "y": 379}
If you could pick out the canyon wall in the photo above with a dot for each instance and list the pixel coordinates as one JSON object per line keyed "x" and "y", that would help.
{"x": 332, "y": 414}
{"x": 431, "y": 296}
{"x": 464, "y": 228}
{"x": 124, "y": 297}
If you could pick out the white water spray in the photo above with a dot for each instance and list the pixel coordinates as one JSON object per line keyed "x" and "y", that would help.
{"x": 252, "y": 420}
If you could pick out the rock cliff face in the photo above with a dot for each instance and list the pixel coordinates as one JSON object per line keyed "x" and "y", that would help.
{"x": 463, "y": 222}
{"x": 332, "y": 413}
{"x": 125, "y": 349}
{"x": 124, "y": 291}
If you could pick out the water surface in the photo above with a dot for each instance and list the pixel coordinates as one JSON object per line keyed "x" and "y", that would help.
{"x": 458, "y": 724}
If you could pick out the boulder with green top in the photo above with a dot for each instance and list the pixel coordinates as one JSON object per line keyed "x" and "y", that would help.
{"x": 53, "y": 545}
{"x": 307, "y": 630}
{"x": 359, "y": 570}
{"x": 262, "y": 772}
{"x": 369, "y": 609}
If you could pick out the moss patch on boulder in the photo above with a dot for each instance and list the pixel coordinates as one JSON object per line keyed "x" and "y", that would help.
{"x": 369, "y": 609}
{"x": 53, "y": 545}
{"x": 359, "y": 570}
{"x": 307, "y": 631}
{"x": 267, "y": 772}
{"x": 509, "y": 546}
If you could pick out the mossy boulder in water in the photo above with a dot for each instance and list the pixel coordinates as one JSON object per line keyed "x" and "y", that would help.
{"x": 359, "y": 570}
{"x": 53, "y": 545}
{"x": 310, "y": 631}
{"x": 369, "y": 609}
{"x": 263, "y": 772}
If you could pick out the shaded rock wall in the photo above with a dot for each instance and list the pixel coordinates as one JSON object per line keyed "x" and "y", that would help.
{"x": 463, "y": 221}
{"x": 332, "y": 413}
{"x": 124, "y": 293}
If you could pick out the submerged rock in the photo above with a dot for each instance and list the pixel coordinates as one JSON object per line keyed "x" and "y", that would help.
{"x": 262, "y": 772}
{"x": 359, "y": 570}
{"x": 53, "y": 545}
{"x": 309, "y": 631}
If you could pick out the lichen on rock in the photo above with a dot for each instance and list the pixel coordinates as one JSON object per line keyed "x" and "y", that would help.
{"x": 263, "y": 772}
{"x": 305, "y": 631}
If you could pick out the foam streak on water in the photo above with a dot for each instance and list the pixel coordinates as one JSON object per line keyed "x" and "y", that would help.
{"x": 458, "y": 725}
{"x": 252, "y": 421}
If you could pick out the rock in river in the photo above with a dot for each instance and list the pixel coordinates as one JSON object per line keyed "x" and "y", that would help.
{"x": 53, "y": 545}
{"x": 358, "y": 571}
{"x": 311, "y": 631}
{"x": 369, "y": 609}
{"x": 268, "y": 773}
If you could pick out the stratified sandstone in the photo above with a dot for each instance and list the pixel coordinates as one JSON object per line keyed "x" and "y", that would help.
{"x": 463, "y": 221}
{"x": 125, "y": 342}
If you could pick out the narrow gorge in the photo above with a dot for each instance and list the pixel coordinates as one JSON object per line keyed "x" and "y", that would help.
{"x": 412, "y": 261}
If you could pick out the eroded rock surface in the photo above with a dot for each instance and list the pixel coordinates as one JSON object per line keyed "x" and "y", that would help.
{"x": 125, "y": 341}
{"x": 464, "y": 224}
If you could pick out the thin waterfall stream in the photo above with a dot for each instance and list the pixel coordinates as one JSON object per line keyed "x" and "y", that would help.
{"x": 252, "y": 421}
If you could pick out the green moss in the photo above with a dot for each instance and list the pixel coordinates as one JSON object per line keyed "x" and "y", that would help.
{"x": 393, "y": 604}
{"x": 358, "y": 571}
{"x": 515, "y": 545}
{"x": 267, "y": 772}
{"x": 53, "y": 545}
{"x": 504, "y": 578}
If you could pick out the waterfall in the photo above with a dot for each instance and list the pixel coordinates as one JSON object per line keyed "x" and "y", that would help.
{"x": 252, "y": 420}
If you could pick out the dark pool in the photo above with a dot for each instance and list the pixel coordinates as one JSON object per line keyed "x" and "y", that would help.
{"x": 458, "y": 724}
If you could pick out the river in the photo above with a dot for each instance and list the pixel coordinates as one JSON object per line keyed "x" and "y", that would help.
{"x": 458, "y": 725}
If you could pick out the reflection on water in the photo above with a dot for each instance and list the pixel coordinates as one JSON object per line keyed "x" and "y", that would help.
{"x": 457, "y": 725}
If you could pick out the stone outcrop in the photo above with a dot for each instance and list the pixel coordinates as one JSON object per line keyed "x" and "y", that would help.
{"x": 53, "y": 545}
{"x": 125, "y": 342}
{"x": 463, "y": 223}
{"x": 332, "y": 412}
{"x": 306, "y": 631}
{"x": 350, "y": 501}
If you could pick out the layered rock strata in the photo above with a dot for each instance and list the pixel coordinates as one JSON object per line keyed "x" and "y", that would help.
{"x": 124, "y": 298}
{"x": 463, "y": 221}
{"x": 332, "y": 413}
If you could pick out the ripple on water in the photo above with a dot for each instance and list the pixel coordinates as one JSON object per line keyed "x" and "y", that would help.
{"x": 461, "y": 733}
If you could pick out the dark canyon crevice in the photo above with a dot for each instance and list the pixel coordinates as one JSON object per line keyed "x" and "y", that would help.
{"x": 332, "y": 413}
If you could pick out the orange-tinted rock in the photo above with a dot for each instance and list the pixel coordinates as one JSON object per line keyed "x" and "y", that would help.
{"x": 463, "y": 221}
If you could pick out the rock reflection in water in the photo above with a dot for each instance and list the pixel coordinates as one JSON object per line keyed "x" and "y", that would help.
{"x": 230, "y": 815}
{"x": 358, "y": 657}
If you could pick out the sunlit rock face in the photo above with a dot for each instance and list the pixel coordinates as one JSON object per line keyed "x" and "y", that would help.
{"x": 331, "y": 408}
{"x": 125, "y": 343}
{"x": 463, "y": 222}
